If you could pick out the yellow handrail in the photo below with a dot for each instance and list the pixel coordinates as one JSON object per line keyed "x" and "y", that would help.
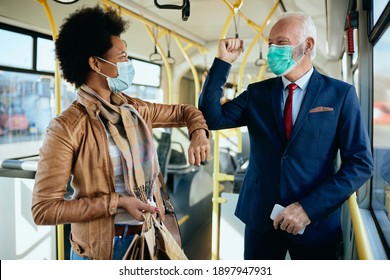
{"x": 57, "y": 74}
{"x": 57, "y": 86}
{"x": 215, "y": 209}
{"x": 192, "y": 67}
{"x": 216, "y": 175}
{"x": 362, "y": 243}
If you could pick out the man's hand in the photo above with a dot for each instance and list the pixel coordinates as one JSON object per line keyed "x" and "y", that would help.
{"x": 199, "y": 149}
{"x": 292, "y": 219}
{"x": 230, "y": 49}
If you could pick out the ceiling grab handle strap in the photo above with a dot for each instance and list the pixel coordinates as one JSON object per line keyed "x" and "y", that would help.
{"x": 171, "y": 6}
{"x": 171, "y": 60}
{"x": 185, "y": 8}
{"x": 155, "y": 56}
{"x": 236, "y": 23}
{"x": 260, "y": 61}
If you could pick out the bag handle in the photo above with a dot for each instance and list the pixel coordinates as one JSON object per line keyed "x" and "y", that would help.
{"x": 168, "y": 206}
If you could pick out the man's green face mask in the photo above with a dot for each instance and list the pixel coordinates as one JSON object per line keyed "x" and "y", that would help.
{"x": 280, "y": 58}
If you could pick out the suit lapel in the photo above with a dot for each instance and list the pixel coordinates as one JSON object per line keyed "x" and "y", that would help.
{"x": 313, "y": 89}
{"x": 276, "y": 97}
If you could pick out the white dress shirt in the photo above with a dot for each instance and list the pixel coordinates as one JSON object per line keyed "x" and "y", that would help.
{"x": 299, "y": 93}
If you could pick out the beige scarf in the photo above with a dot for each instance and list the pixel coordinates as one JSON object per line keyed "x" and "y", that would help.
{"x": 134, "y": 140}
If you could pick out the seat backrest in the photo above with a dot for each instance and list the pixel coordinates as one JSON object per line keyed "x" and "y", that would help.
{"x": 164, "y": 150}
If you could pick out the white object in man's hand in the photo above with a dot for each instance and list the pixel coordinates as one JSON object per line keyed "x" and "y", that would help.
{"x": 276, "y": 210}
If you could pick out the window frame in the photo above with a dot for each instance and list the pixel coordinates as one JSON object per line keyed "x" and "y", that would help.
{"x": 149, "y": 62}
{"x": 35, "y": 35}
{"x": 378, "y": 28}
{"x": 375, "y": 33}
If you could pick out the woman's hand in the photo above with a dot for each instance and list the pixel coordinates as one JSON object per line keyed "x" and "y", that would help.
{"x": 135, "y": 207}
{"x": 199, "y": 149}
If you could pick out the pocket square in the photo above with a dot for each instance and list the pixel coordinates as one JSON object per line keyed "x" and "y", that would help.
{"x": 321, "y": 109}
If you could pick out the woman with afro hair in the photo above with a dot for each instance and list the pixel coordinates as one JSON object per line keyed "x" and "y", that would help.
{"x": 104, "y": 142}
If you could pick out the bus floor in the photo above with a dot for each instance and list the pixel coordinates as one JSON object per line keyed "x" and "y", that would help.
{"x": 199, "y": 247}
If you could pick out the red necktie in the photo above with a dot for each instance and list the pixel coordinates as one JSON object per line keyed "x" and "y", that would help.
{"x": 288, "y": 109}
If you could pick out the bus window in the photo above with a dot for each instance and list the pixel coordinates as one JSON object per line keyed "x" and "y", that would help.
{"x": 45, "y": 55}
{"x": 16, "y": 49}
{"x": 378, "y": 7}
{"x": 381, "y": 133}
{"x": 147, "y": 79}
{"x": 27, "y": 100}
{"x": 27, "y": 105}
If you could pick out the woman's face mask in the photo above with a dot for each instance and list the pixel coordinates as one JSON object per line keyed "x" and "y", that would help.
{"x": 125, "y": 76}
{"x": 281, "y": 60}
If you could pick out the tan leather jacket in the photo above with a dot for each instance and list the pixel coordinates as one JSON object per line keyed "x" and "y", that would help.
{"x": 76, "y": 144}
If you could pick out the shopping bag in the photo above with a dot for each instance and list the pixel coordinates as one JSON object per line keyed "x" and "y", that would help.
{"x": 155, "y": 242}
{"x": 143, "y": 244}
{"x": 167, "y": 247}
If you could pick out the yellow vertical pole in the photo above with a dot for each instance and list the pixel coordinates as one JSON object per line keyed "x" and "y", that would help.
{"x": 215, "y": 214}
{"x": 57, "y": 74}
{"x": 192, "y": 67}
{"x": 216, "y": 175}
{"x": 57, "y": 88}
{"x": 234, "y": 8}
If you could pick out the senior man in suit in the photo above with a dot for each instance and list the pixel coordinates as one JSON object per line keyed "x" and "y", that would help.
{"x": 297, "y": 123}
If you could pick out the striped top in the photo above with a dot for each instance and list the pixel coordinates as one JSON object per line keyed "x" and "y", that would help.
{"x": 122, "y": 217}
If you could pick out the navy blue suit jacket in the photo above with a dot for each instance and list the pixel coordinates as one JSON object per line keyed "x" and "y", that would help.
{"x": 301, "y": 169}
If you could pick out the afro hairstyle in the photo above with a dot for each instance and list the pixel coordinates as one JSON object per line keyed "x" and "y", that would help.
{"x": 86, "y": 32}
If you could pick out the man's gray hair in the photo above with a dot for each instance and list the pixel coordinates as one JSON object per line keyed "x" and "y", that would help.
{"x": 308, "y": 27}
